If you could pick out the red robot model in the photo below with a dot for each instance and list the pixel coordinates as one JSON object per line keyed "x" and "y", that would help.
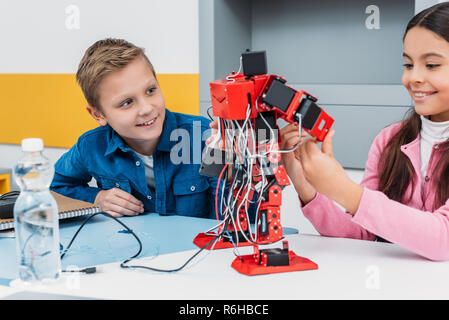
{"x": 248, "y": 105}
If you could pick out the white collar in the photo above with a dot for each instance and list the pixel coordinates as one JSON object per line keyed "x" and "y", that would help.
{"x": 437, "y": 131}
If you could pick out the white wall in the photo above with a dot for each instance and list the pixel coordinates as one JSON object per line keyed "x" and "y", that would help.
{"x": 51, "y": 37}
{"x": 420, "y": 5}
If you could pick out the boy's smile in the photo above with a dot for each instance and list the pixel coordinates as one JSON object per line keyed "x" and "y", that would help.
{"x": 148, "y": 123}
{"x": 131, "y": 102}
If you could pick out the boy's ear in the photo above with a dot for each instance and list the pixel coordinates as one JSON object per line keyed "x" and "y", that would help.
{"x": 97, "y": 115}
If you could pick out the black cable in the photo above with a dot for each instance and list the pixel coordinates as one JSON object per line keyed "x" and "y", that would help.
{"x": 107, "y": 215}
{"x": 10, "y": 194}
{"x": 208, "y": 114}
{"x": 122, "y": 265}
{"x": 85, "y": 270}
{"x": 169, "y": 270}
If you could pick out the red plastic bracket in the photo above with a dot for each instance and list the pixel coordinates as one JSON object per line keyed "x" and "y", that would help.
{"x": 202, "y": 239}
{"x": 248, "y": 265}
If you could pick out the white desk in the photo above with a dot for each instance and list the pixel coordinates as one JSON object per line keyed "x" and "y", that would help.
{"x": 348, "y": 269}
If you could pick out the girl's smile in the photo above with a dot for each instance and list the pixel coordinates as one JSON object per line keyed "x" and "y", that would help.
{"x": 422, "y": 96}
{"x": 426, "y": 73}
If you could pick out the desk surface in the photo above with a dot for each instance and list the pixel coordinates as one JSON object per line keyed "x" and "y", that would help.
{"x": 103, "y": 240}
{"x": 348, "y": 269}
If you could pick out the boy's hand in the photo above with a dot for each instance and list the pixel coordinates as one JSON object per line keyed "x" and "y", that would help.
{"x": 218, "y": 144}
{"x": 292, "y": 162}
{"x": 212, "y": 142}
{"x": 118, "y": 203}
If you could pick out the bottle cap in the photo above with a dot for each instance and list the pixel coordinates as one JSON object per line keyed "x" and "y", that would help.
{"x": 32, "y": 145}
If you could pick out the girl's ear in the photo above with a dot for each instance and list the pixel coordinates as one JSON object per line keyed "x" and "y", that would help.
{"x": 97, "y": 115}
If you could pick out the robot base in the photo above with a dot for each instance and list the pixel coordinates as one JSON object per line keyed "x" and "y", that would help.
{"x": 202, "y": 239}
{"x": 248, "y": 265}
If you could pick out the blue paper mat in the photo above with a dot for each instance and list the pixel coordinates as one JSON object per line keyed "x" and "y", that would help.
{"x": 103, "y": 240}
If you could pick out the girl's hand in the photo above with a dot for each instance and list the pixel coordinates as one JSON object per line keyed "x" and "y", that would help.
{"x": 292, "y": 162}
{"x": 327, "y": 175}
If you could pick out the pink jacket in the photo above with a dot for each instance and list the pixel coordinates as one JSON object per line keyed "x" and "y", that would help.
{"x": 412, "y": 225}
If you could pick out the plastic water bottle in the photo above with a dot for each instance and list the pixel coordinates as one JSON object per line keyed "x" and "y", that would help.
{"x": 36, "y": 216}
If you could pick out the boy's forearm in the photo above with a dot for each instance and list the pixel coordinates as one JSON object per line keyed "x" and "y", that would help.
{"x": 71, "y": 177}
{"x": 80, "y": 192}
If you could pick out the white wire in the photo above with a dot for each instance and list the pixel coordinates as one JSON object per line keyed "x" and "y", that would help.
{"x": 300, "y": 135}
{"x": 231, "y": 77}
{"x": 241, "y": 141}
{"x": 246, "y": 152}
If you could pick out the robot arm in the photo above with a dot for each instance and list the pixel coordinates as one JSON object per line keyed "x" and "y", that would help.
{"x": 232, "y": 96}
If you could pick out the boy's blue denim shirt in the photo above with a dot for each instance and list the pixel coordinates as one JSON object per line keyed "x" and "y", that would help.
{"x": 102, "y": 154}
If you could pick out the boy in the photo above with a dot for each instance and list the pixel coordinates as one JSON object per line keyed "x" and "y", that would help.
{"x": 129, "y": 154}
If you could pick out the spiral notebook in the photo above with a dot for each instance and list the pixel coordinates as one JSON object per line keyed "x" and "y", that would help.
{"x": 68, "y": 208}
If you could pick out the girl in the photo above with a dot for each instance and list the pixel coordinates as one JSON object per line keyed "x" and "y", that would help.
{"x": 403, "y": 197}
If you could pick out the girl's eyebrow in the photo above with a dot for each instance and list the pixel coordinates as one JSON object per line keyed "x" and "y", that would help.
{"x": 425, "y": 55}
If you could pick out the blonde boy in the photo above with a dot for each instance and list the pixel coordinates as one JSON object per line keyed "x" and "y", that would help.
{"x": 129, "y": 153}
